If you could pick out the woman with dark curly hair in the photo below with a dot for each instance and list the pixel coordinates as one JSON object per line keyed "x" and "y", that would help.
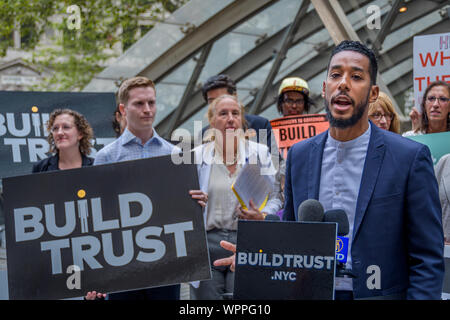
{"x": 69, "y": 139}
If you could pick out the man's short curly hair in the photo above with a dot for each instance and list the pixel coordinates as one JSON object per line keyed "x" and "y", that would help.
{"x": 348, "y": 45}
{"x": 219, "y": 81}
{"x": 83, "y": 127}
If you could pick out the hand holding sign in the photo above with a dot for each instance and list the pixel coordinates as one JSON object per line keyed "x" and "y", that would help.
{"x": 200, "y": 196}
{"x": 94, "y": 295}
{"x": 251, "y": 214}
{"x": 416, "y": 119}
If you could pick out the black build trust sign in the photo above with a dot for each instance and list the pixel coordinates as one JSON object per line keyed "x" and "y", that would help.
{"x": 116, "y": 225}
{"x": 23, "y": 118}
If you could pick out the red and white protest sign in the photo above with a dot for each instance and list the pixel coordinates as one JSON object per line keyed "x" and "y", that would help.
{"x": 431, "y": 62}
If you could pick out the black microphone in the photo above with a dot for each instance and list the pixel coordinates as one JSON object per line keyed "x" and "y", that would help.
{"x": 310, "y": 210}
{"x": 272, "y": 217}
{"x": 340, "y": 217}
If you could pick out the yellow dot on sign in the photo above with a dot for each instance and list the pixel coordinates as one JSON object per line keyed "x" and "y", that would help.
{"x": 260, "y": 250}
{"x": 81, "y": 193}
{"x": 34, "y": 109}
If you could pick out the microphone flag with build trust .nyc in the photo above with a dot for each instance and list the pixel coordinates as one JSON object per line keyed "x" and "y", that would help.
{"x": 119, "y": 227}
{"x": 297, "y": 261}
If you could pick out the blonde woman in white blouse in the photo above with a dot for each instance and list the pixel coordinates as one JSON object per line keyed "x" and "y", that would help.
{"x": 219, "y": 163}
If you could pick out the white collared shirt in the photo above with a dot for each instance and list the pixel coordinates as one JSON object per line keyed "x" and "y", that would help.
{"x": 342, "y": 168}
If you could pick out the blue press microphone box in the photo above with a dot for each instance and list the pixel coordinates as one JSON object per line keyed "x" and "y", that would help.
{"x": 341, "y": 249}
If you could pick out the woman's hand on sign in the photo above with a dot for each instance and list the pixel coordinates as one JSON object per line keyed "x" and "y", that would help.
{"x": 231, "y": 260}
{"x": 416, "y": 119}
{"x": 200, "y": 196}
{"x": 94, "y": 295}
{"x": 251, "y": 214}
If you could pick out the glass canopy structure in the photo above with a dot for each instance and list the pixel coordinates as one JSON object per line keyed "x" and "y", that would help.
{"x": 260, "y": 42}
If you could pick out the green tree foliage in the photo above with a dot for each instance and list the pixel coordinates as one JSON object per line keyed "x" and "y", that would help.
{"x": 30, "y": 15}
{"x": 77, "y": 54}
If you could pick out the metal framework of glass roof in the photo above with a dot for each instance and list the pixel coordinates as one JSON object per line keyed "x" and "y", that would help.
{"x": 258, "y": 43}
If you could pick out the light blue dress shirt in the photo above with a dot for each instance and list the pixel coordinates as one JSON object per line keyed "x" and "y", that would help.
{"x": 130, "y": 147}
{"x": 342, "y": 167}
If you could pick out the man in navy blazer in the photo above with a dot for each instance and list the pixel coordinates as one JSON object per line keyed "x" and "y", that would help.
{"x": 385, "y": 183}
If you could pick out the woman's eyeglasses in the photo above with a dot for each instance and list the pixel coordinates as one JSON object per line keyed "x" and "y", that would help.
{"x": 291, "y": 102}
{"x": 377, "y": 116}
{"x": 442, "y": 100}
{"x": 64, "y": 128}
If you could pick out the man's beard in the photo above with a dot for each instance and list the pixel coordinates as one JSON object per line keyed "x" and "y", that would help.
{"x": 350, "y": 122}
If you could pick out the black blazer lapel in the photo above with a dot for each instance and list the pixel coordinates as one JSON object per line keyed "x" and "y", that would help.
{"x": 86, "y": 161}
{"x": 53, "y": 163}
{"x": 372, "y": 166}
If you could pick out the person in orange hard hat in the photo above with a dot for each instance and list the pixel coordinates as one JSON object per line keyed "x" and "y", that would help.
{"x": 293, "y": 97}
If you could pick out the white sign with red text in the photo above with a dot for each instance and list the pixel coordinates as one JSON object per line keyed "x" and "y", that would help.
{"x": 431, "y": 62}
